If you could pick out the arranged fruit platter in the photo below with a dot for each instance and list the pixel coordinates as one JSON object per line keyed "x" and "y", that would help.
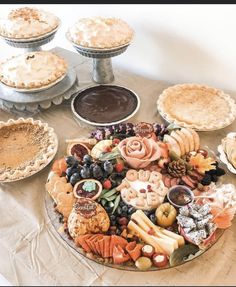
{"x": 139, "y": 196}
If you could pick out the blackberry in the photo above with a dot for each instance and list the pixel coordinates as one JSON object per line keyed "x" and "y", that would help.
{"x": 206, "y": 179}
{"x": 214, "y": 178}
{"x": 211, "y": 172}
{"x": 220, "y": 171}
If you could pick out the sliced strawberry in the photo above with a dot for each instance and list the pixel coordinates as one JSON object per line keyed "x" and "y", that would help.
{"x": 119, "y": 255}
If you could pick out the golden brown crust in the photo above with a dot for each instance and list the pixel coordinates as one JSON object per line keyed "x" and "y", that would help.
{"x": 26, "y": 23}
{"x": 26, "y": 146}
{"x": 33, "y": 70}
{"x": 196, "y": 106}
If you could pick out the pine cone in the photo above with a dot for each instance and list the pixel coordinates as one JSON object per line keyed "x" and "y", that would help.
{"x": 177, "y": 168}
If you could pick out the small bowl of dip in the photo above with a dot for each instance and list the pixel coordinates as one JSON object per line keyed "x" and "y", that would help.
{"x": 180, "y": 195}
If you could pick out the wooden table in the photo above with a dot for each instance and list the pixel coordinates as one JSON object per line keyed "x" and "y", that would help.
{"x": 32, "y": 253}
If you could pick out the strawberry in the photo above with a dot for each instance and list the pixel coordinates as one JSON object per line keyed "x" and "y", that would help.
{"x": 107, "y": 184}
{"x": 119, "y": 166}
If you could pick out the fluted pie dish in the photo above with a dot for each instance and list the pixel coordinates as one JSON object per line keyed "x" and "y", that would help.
{"x": 26, "y": 147}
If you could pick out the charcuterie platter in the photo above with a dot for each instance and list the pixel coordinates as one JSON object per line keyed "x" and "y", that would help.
{"x": 139, "y": 197}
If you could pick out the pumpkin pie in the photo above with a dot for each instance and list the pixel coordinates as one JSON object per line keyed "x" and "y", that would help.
{"x": 26, "y": 146}
{"x": 33, "y": 70}
{"x": 100, "y": 32}
{"x": 26, "y": 23}
{"x": 196, "y": 106}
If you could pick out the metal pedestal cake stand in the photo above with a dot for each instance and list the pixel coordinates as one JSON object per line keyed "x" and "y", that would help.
{"x": 32, "y": 102}
{"x": 32, "y": 44}
{"x": 102, "y": 64}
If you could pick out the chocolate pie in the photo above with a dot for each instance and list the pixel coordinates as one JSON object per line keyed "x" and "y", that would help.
{"x": 23, "y": 23}
{"x": 100, "y": 32}
{"x": 33, "y": 70}
{"x": 26, "y": 146}
{"x": 105, "y": 104}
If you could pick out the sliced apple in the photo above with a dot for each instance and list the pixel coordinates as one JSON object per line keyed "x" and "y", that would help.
{"x": 185, "y": 140}
{"x": 196, "y": 139}
{"x": 190, "y": 137}
{"x": 172, "y": 144}
{"x": 180, "y": 142}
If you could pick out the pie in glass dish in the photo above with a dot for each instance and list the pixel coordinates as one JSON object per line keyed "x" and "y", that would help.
{"x": 100, "y": 32}
{"x": 27, "y": 23}
{"x": 26, "y": 147}
{"x": 33, "y": 70}
{"x": 196, "y": 106}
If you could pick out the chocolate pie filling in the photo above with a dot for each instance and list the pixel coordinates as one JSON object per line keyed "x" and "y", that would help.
{"x": 105, "y": 103}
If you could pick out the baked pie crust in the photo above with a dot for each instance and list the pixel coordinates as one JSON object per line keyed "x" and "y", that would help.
{"x": 26, "y": 147}
{"x": 100, "y": 32}
{"x": 196, "y": 106}
{"x": 33, "y": 70}
{"x": 26, "y": 22}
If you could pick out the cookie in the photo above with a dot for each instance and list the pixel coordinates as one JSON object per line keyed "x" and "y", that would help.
{"x": 65, "y": 203}
{"x": 61, "y": 187}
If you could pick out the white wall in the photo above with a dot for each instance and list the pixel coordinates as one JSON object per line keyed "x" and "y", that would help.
{"x": 175, "y": 43}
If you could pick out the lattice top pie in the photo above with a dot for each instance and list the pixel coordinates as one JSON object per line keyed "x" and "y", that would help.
{"x": 197, "y": 106}
{"x": 32, "y": 70}
{"x": 100, "y": 32}
{"x": 26, "y": 146}
{"x": 23, "y": 23}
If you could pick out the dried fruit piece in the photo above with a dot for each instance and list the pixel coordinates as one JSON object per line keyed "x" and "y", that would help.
{"x": 202, "y": 164}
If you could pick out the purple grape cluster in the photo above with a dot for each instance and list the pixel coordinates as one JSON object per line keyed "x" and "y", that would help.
{"x": 119, "y": 131}
{"x": 160, "y": 130}
{"x": 125, "y": 130}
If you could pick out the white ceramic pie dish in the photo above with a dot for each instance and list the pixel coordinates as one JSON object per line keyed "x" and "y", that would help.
{"x": 223, "y": 157}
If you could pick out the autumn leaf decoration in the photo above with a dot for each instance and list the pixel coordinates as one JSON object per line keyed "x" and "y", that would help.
{"x": 202, "y": 164}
